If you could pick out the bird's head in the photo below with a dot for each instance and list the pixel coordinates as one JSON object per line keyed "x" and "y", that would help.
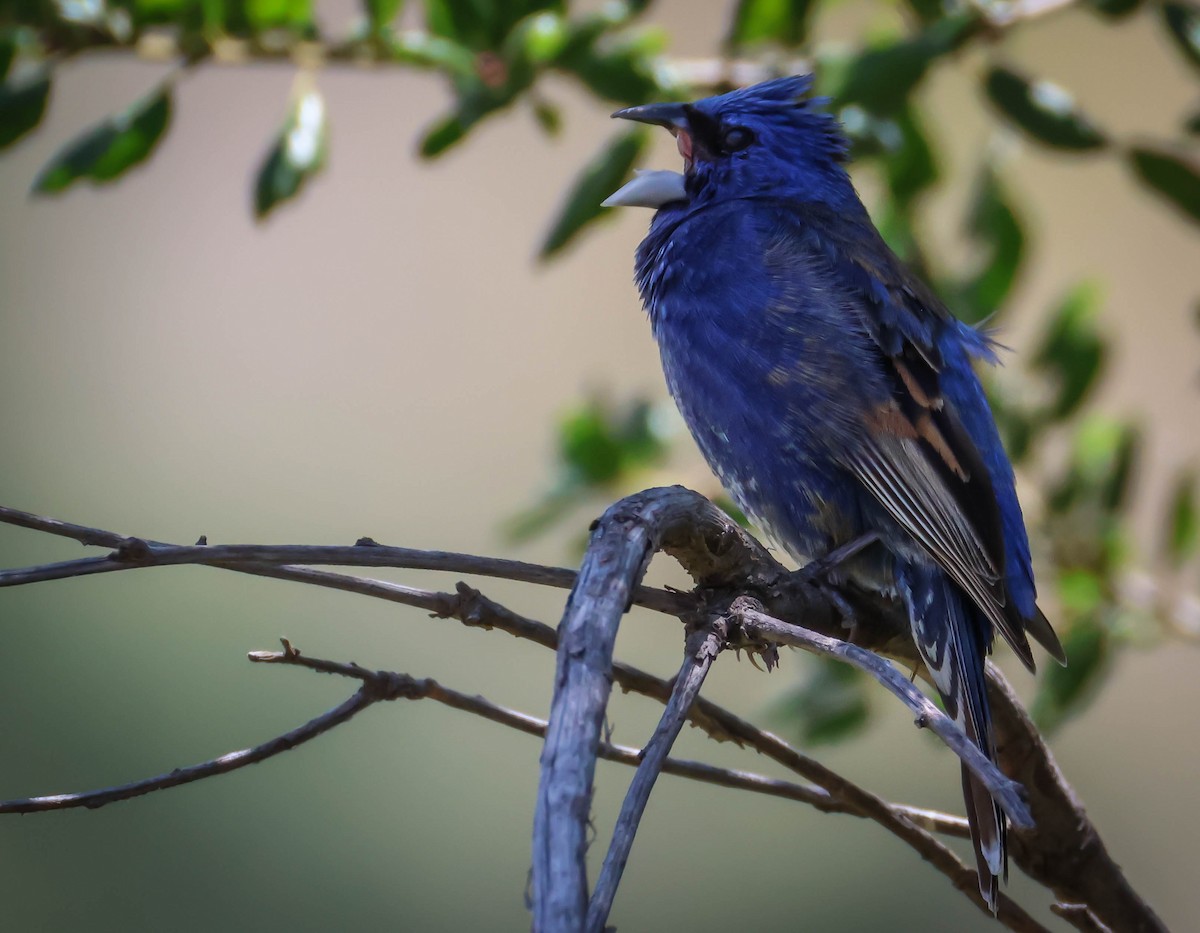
{"x": 769, "y": 137}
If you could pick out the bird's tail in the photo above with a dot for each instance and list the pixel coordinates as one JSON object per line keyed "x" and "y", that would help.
{"x": 953, "y": 639}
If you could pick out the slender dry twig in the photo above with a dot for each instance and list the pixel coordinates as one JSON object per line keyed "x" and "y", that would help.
{"x": 623, "y": 540}
{"x": 132, "y": 553}
{"x": 760, "y": 627}
{"x": 725, "y": 562}
{"x": 424, "y": 688}
{"x": 700, "y": 650}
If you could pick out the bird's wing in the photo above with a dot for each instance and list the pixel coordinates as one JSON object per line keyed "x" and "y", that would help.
{"x": 917, "y": 459}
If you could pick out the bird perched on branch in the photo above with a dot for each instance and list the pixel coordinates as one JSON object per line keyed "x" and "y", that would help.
{"x": 833, "y": 393}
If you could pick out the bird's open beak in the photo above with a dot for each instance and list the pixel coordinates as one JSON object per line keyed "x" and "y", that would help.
{"x": 672, "y": 116}
{"x": 652, "y": 189}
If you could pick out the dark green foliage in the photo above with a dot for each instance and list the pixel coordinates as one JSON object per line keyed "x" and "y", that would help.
{"x": 1043, "y": 110}
{"x": 1183, "y": 23}
{"x": 1071, "y": 351}
{"x": 22, "y": 104}
{"x": 1063, "y": 691}
{"x": 110, "y": 148}
{"x": 381, "y": 13}
{"x": 1182, "y": 526}
{"x": 600, "y": 447}
{"x": 600, "y": 178}
{"x": 882, "y": 78}
{"x": 1170, "y": 177}
{"x": 780, "y": 22}
{"x": 994, "y": 224}
{"x": 1114, "y": 9}
{"x": 296, "y": 154}
{"x": 828, "y": 704}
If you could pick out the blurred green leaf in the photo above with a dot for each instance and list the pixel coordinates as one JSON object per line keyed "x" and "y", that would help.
{"x": 994, "y": 223}
{"x": 829, "y": 704}
{"x": 729, "y": 507}
{"x": 1192, "y": 124}
{"x": 427, "y": 51}
{"x": 298, "y": 152}
{"x": 481, "y": 24}
{"x": 760, "y": 21}
{"x": 882, "y": 78}
{"x": 619, "y": 67}
{"x": 548, "y": 117}
{"x": 442, "y": 135}
{"x": 110, "y": 148}
{"x": 279, "y": 14}
{"x": 1103, "y": 457}
{"x": 1063, "y": 691}
{"x": 22, "y": 105}
{"x": 1183, "y": 23}
{"x": 8, "y": 52}
{"x": 1183, "y": 522}
{"x": 596, "y": 444}
{"x": 542, "y": 37}
{"x": 928, "y": 11}
{"x": 600, "y": 178}
{"x": 1071, "y": 350}
{"x": 381, "y": 13}
{"x": 1044, "y": 110}
{"x": 911, "y": 167}
{"x": 1114, "y": 9}
{"x": 1169, "y": 176}
{"x": 598, "y": 447}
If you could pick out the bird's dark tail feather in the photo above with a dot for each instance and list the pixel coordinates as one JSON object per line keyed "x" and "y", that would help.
{"x": 953, "y": 639}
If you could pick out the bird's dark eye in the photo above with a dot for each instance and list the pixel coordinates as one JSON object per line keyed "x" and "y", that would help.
{"x": 736, "y": 138}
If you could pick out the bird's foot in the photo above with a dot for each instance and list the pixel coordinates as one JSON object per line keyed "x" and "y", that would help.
{"x": 820, "y": 574}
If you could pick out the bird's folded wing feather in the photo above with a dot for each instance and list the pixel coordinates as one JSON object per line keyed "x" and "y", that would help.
{"x": 917, "y": 459}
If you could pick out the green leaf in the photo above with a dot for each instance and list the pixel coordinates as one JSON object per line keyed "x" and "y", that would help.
{"x": 298, "y": 152}
{"x": 442, "y": 135}
{"x": 279, "y": 14}
{"x": 8, "y": 52}
{"x": 881, "y": 79}
{"x": 911, "y": 167}
{"x": 829, "y": 704}
{"x": 1183, "y": 23}
{"x": 1183, "y": 525}
{"x": 1043, "y": 110}
{"x": 619, "y": 68}
{"x": 110, "y": 148}
{"x": 600, "y": 178}
{"x": 1170, "y": 177}
{"x": 597, "y": 445}
{"x": 22, "y": 105}
{"x": 993, "y": 222}
{"x": 1114, "y": 9}
{"x": 1071, "y": 350}
{"x": 1192, "y": 124}
{"x": 548, "y": 117}
{"x": 381, "y": 13}
{"x": 1063, "y": 691}
{"x": 482, "y": 25}
{"x": 755, "y": 22}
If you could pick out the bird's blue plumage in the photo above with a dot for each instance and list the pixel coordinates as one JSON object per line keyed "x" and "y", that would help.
{"x": 834, "y": 394}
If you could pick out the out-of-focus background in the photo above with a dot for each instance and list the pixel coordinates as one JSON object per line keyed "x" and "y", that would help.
{"x": 385, "y": 357}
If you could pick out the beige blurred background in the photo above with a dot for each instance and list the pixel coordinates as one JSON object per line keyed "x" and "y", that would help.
{"x": 385, "y": 358}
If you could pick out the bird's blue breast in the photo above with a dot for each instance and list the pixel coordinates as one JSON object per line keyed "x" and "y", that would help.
{"x": 766, "y": 368}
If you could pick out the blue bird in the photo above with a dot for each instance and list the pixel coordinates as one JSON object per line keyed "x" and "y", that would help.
{"x": 833, "y": 393}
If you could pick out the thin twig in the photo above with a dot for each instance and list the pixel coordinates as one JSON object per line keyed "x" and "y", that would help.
{"x": 131, "y": 553}
{"x": 700, "y": 650}
{"x": 179, "y": 776}
{"x": 760, "y": 627}
{"x": 708, "y": 545}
